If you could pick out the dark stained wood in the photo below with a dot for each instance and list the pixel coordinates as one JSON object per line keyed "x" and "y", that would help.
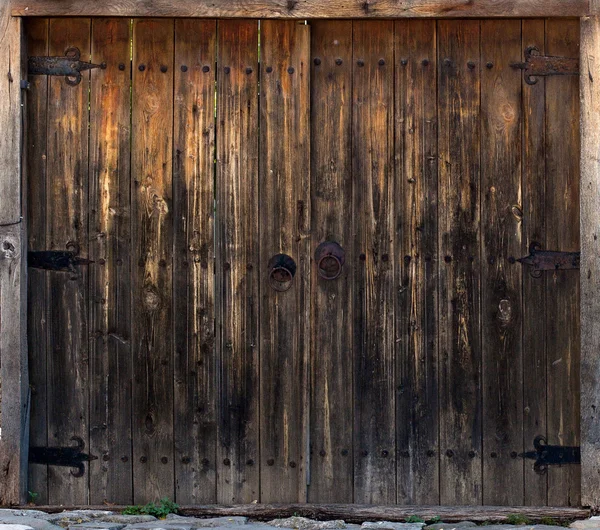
{"x": 501, "y": 216}
{"x": 284, "y": 224}
{"x": 373, "y": 293}
{"x": 590, "y": 340}
{"x": 534, "y": 289}
{"x": 152, "y": 235}
{"x": 36, "y": 31}
{"x": 459, "y": 258}
{"x": 416, "y": 263}
{"x": 357, "y": 513}
{"x": 331, "y": 364}
{"x": 238, "y": 265}
{"x": 67, "y": 228}
{"x": 304, "y": 8}
{"x": 193, "y": 267}
{"x": 110, "y": 246}
{"x": 562, "y": 233}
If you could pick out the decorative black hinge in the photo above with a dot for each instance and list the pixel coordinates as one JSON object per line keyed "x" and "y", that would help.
{"x": 551, "y": 455}
{"x": 70, "y": 66}
{"x": 537, "y": 65}
{"x": 56, "y": 260}
{"x": 549, "y": 260}
{"x": 62, "y": 456}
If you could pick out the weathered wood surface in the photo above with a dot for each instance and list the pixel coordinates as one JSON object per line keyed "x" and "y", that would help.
{"x": 67, "y": 228}
{"x": 562, "y": 287}
{"x": 110, "y": 241}
{"x": 331, "y": 366}
{"x": 152, "y": 273}
{"x": 14, "y": 383}
{"x": 36, "y": 31}
{"x": 195, "y": 420}
{"x": 459, "y": 240}
{"x": 305, "y": 8}
{"x": 238, "y": 265}
{"x": 590, "y": 261}
{"x": 534, "y": 289}
{"x": 417, "y": 410}
{"x": 502, "y": 377}
{"x": 373, "y": 296}
{"x": 284, "y": 227}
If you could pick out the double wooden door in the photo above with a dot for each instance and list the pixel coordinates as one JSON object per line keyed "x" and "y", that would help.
{"x": 214, "y": 351}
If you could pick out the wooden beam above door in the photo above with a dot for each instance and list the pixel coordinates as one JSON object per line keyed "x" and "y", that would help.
{"x": 304, "y": 9}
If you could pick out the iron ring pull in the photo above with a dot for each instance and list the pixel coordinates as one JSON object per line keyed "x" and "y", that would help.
{"x": 282, "y": 269}
{"x": 330, "y": 258}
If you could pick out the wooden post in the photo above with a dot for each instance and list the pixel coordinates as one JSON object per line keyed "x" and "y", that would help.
{"x": 14, "y": 384}
{"x": 590, "y": 260}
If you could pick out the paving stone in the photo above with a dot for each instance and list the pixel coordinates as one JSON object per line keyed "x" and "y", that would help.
{"x": 14, "y": 527}
{"x": 66, "y": 519}
{"x": 388, "y": 525}
{"x": 165, "y": 524}
{"x": 302, "y": 523}
{"x": 586, "y": 524}
{"x": 7, "y": 512}
{"x": 449, "y": 526}
{"x": 211, "y": 522}
{"x": 97, "y": 525}
{"x": 126, "y": 519}
{"x": 37, "y": 523}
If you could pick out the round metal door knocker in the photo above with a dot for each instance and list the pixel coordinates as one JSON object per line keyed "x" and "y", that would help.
{"x": 330, "y": 258}
{"x": 282, "y": 269}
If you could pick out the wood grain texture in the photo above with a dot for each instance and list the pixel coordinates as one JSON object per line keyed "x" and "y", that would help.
{"x": 590, "y": 260}
{"x": 460, "y": 273}
{"x": 67, "y": 228}
{"x": 373, "y": 294}
{"x": 304, "y": 8}
{"x": 331, "y": 200}
{"x": 152, "y": 235}
{"x": 110, "y": 248}
{"x": 284, "y": 224}
{"x": 36, "y": 31}
{"x": 534, "y": 289}
{"x": 238, "y": 265}
{"x": 562, "y": 233}
{"x": 501, "y": 214}
{"x": 417, "y": 420}
{"x": 193, "y": 266}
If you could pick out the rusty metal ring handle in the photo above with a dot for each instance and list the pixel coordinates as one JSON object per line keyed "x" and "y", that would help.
{"x": 280, "y": 285}
{"x": 322, "y": 270}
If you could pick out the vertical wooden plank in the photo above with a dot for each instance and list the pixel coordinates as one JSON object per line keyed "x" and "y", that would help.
{"x": 417, "y": 263}
{"x": 590, "y": 260}
{"x": 562, "y": 288}
{"x": 193, "y": 274}
{"x": 331, "y": 200}
{"x": 67, "y": 228}
{"x": 36, "y": 30}
{"x": 14, "y": 380}
{"x": 284, "y": 221}
{"x": 534, "y": 289}
{"x": 237, "y": 261}
{"x": 459, "y": 248}
{"x": 110, "y": 244}
{"x": 373, "y": 307}
{"x": 502, "y": 378}
{"x": 152, "y": 235}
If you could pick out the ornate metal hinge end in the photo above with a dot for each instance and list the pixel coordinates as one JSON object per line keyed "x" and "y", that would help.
{"x": 551, "y": 455}
{"x": 69, "y": 66}
{"x": 63, "y": 456}
{"x": 549, "y": 260}
{"x": 537, "y": 65}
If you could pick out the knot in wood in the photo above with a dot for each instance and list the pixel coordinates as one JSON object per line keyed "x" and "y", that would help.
{"x": 8, "y": 249}
{"x": 152, "y": 299}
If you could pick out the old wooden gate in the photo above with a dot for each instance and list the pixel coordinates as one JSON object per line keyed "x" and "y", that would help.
{"x": 201, "y": 343}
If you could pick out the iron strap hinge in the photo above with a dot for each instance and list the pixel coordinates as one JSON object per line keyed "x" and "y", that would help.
{"x": 551, "y": 455}
{"x": 69, "y": 66}
{"x": 537, "y": 65}
{"x": 549, "y": 260}
{"x": 62, "y": 456}
{"x": 57, "y": 260}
